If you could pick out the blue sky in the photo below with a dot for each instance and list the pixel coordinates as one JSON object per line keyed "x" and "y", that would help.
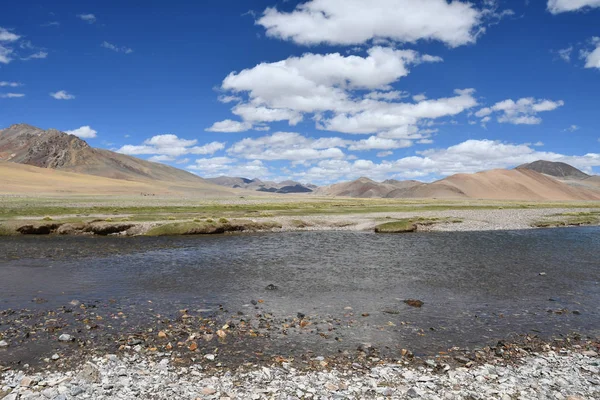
{"x": 318, "y": 90}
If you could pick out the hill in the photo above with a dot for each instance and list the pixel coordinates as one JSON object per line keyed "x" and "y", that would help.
{"x": 262, "y": 186}
{"x": 517, "y": 184}
{"x": 26, "y": 144}
{"x": 556, "y": 169}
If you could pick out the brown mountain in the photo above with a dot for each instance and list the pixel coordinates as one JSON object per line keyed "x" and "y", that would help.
{"x": 518, "y": 184}
{"x": 262, "y": 186}
{"x": 556, "y": 169}
{"x": 25, "y": 144}
{"x": 362, "y": 187}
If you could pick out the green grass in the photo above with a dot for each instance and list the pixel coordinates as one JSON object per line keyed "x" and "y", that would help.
{"x": 207, "y": 228}
{"x": 569, "y": 219}
{"x": 164, "y": 209}
{"x": 405, "y": 225}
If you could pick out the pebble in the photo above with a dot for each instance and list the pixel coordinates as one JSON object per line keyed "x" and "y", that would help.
{"x": 65, "y": 338}
{"x": 3, "y": 343}
{"x": 559, "y": 375}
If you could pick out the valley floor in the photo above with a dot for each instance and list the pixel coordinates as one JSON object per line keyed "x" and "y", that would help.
{"x": 131, "y": 216}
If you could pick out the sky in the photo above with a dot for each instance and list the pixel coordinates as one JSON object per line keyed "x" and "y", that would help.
{"x": 317, "y": 91}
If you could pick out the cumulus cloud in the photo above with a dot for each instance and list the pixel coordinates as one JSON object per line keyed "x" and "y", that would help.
{"x": 348, "y": 22}
{"x": 115, "y": 48}
{"x": 378, "y": 143}
{"x": 6, "y": 51}
{"x": 287, "y": 146}
{"x": 172, "y": 146}
{"x": 7, "y": 36}
{"x": 560, "y": 6}
{"x": 9, "y": 84}
{"x": 62, "y": 95}
{"x": 89, "y": 18}
{"x": 521, "y": 112}
{"x": 592, "y": 58}
{"x": 332, "y": 88}
{"x": 229, "y": 125}
{"x": 84, "y": 132}
{"x": 212, "y": 167}
{"x": 382, "y": 154}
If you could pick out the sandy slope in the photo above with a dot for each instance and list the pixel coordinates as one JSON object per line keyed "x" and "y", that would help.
{"x": 26, "y": 179}
{"x": 512, "y": 185}
{"x": 519, "y": 184}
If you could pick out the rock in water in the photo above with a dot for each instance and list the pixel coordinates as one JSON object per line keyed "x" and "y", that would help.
{"x": 271, "y": 287}
{"x": 414, "y": 303}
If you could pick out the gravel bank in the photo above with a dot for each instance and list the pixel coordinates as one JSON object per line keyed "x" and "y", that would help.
{"x": 560, "y": 375}
{"x": 473, "y": 220}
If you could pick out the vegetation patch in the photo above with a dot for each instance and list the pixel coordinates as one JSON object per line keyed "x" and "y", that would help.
{"x": 6, "y": 230}
{"x": 412, "y": 224}
{"x": 401, "y": 226}
{"x": 569, "y": 219}
{"x": 208, "y": 228}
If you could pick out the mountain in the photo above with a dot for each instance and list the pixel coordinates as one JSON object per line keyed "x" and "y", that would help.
{"x": 262, "y": 186}
{"x": 25, "y": 144}
{"x": 556, "y": 169}
{"x": 518, "y": 184}
{"x": 502, "y": 184}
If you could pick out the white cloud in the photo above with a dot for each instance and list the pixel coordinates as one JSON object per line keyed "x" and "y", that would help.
{"x": 11, "y": 95}
{"x": 172, "y": 146}
{"x": 560, "y": 6}
{"x": 382, "y": 154}
{"x": 89, "y": 18}
{"x": 212, "y": 167}
{"x": 572, "y": 128}
{"x": 592, "y": 58}
{"x": 393, "y": 117}
{"x": 5, "y": 51}
{"x": 331, "y": 88}
{"x": 62, "y": 95}
{"x": 348, "y": 22}
{"x": 7, "y": 36}
{"x": 229, "y": 99}
{"x": 9, "y": 84}
{"x": 389, "y": 96}
{"x": 50, "y": 24}
{"x": 419, "y": 97}
{"x": 229, "y": 125}
{"x": 521, "y": 112}
{"x": 286, "y": 146}
{"x": 378, "y": 143}
{"x": 115, "y": 48}
{"x": 565, "y": 54}
{"x": 36, "y": 56}
{"x": 84, "y": 132}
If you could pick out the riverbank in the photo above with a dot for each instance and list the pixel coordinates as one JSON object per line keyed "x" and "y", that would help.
{"x": 255, "y": 216}
{"x": 553, "y": 373}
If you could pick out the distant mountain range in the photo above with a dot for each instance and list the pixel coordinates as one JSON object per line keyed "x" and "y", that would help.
{"x": 541, "y": 180}
{"x": 263, "y": 186}
{"x": 28, "y": 155}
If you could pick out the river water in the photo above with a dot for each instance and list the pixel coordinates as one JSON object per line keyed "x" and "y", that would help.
{"x": 477, "y": 287}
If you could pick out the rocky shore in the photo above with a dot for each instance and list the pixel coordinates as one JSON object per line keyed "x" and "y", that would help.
{"x": 447, "y": 220}
{"x": 562, "y": 374}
